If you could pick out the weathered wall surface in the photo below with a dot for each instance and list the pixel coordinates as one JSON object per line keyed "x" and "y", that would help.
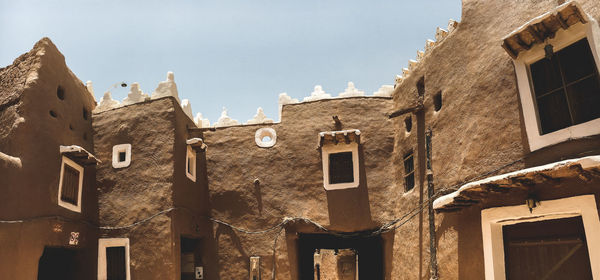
{"x": 477, "y": 132}
{"x": 192, "y": 200}
{"x": 291, "y": 181}
{"x": 30, "y": 133}
{"x": 145, "y": 187}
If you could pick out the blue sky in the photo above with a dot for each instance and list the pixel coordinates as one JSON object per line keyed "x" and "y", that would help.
{"x": 238, "y": 54}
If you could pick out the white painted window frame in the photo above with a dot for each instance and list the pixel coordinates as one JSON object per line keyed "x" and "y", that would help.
{"x": 65, "y": 204}
{"x": 493, "y": 219}
{"x": 326, "y": 150}
{"x": 115, "y": 156}
{"x": 563, "y": 38}
{"x": 104, "y": 243}
{"x": 190, "y": 156}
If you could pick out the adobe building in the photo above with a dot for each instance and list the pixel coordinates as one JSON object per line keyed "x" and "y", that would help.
{"x": 482, "y": 161}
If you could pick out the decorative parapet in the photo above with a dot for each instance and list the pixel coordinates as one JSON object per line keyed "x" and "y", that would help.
{"x": 260, "y": 117}
{"x": 429, "y": 44}
{"x": 166, "y": 88}
{"x": 412, "y": 64}
{"x": 201, "y": 121}
{"x": 90, "y": 88}
{"x": 225, "y": 120}
{"x": 351, "y": 91}
{"x": 284, "y": 98}
{"x": 135, "y": 95}
{"x": 420, "y": 55}
{"x": 187, "y": 108}
{"x": 384, "y": 90}
{"x": 452, "y": 25}
{"x": 440, "y": 34}
{"x": 106, "y": 103}
{"x": 317, "y": 94}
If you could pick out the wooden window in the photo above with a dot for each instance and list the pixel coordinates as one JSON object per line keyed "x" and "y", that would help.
{"x": 70, "y": 185}
{"x": 341, "y": 168}
{"x": 551, "y": 249}
{"x": 409, "y": 171}
{"x": 190, "y": 163}
{"x": 566, "y": 87}
{"x": 116, "y": 263}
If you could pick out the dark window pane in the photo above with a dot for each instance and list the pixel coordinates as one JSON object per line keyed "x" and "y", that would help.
{"x": 553, "y": 112}
{"x": 576, "y": 61}
{"x": 341, "y": 169}
{"x": 409, "y": 168}
{"x": 410, "y": 181}
{"x": 115, "y": 263}
{"x": 121, "y": 156}
{"x": 545, "y": 75}
{"x": 408, "y": 164}
{"x": 70, "y": 185}
{"x": 584, "y": 99}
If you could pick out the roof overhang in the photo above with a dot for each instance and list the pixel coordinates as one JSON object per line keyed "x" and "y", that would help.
{"x": 337, "y": 137}
{"x": 196, "y": 143}
{"x": 537, "y": 30}
{"x": 79, "y": 154}
{"x": 468, "y": 194}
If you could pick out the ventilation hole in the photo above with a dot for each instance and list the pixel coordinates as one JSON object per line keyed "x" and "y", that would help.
{"x": 421, "y": 86}
{"x": 121, "y": 156}
{"x": 60, "y": 92}
{"x": 53, "y": 114}
{"x": 85, "y": 114}
{"x": 408, "y": 123}
{"x": 437, "y": 101}
{"x": 266, "y": 139}
{"x": 70, "y": 127}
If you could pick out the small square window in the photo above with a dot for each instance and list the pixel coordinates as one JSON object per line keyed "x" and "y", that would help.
{"x": 190, "y": 163}
{"x": 409, "y": 171}
{"x": 340, "y": 166}
{"x": 70, "y": 185}
{"x": 121, "y": 155}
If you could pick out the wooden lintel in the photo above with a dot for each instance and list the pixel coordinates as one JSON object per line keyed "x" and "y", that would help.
{"x": 581, "y": 173}
{"x": 347, "y": 139}
{"x": 495, "y": 188}
{"x": 521, "y": 43}
{"x": 415, "y": 108}
{"x": 546, "y": 178}
{"x": 522, "y": 181}
{"x": 578, "y": 13}
{"x": 509, "y": 50}
{"x": 535, "y": 34}
{"x": 561, "y": 21}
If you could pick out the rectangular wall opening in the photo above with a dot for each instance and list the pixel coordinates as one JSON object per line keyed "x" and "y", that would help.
{"x": 326, "y": 256}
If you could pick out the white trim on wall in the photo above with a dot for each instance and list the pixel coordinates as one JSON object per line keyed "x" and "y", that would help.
{"x": 563, "y": 38}
{"x": 190, "y": 156}
{"x": 326, "y": 150}
{"x": 493, "y": 219}
{"x": 103, "y": 243}
{"x": 65, "y": 204}
{"x": 121, "y": 148}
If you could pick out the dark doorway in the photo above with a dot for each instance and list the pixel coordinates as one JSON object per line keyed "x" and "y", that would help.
{"x": 369, "y": 250}
{"x": 190, "y": 257}
{"x": 546, "y": 250}
{"x": 58, "y": 263}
